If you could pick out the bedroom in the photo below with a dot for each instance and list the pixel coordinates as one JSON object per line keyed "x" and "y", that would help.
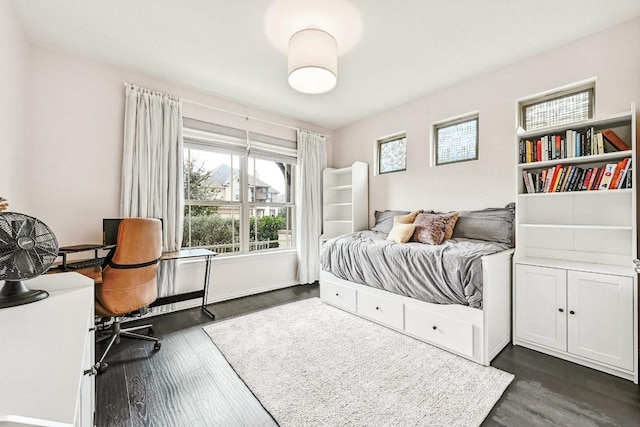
{"x": 62, "y": 162}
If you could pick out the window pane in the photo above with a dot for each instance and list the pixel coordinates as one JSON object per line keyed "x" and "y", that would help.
{"x": 457, "y": 142}
{"x": 216, "y": 228}
{"x": 565, "y": 109}
{"x": 393, "y": 155}
{"x": 270, "y": 227}
{"x": 268, "y": 181}
{"x": 214, "y": 202}
{"x": 210, "y": 176}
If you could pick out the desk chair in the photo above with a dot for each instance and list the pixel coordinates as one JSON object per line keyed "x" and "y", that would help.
{"x": 129, "y": 276}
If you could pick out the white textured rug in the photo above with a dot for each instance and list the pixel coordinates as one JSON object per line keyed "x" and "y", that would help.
{"x": 311, "y": 364}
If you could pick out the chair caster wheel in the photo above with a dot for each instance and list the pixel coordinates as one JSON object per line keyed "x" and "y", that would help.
{"x": 102, "y": 367}
{"x": 157, "y": 345}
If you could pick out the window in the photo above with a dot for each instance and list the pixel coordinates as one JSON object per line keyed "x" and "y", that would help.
{"x": 238, "y": 189}
{"x": 391, "y": 153}
{"x": 456, "y": 140}
{"x": 568, "y": 106}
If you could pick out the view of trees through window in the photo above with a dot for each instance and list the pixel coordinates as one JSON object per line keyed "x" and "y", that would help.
{"x": 217, "y": 214}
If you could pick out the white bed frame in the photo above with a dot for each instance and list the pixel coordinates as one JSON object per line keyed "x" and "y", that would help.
{"x": 476, "y": 334}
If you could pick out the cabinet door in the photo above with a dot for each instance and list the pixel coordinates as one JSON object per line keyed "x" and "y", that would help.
{"x": 540, "y": 296}
{"x": 600, "y": 319}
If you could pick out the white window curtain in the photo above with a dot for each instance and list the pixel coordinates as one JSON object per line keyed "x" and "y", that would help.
{"x": 152, "y": 169}
{"x": 312, "y": 159}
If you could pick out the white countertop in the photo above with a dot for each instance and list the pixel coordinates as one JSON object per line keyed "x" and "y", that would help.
{"x": 42, "y": 347}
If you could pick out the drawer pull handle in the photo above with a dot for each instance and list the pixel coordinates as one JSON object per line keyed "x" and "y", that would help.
{"x": 434, "y": 327}
{"x": 377, "y": 308}
{"x": 572, "y": 312}
{"x": 561, "y": 310}
{"x": 337, "y": 294}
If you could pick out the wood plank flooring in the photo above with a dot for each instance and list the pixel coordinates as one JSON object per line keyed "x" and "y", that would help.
{"x": 189, "y": 383}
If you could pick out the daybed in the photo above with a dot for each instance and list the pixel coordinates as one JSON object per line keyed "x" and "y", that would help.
{"x": 455, "y": 295}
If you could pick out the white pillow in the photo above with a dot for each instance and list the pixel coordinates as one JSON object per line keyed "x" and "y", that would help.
{"x": 401, "y": 233}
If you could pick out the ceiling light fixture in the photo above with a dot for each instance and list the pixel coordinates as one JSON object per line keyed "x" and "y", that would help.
{"x": 313, "y": 61}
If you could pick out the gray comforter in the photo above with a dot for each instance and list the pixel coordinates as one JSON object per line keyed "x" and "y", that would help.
{"x": 450, "y": 273}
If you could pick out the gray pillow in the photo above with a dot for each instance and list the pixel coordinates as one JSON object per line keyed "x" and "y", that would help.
{"x": 492, "y": 224}
{"x": 384, "y": 220}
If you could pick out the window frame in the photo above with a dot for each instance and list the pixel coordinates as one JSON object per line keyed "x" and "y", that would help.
{"x": 244, "y": 205}
{"x": 469, "y": 117}
{"x": 385, "y": 140}
{"x": 588, "y": 86}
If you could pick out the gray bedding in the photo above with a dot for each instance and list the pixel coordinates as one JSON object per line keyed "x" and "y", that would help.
{"x": 450, "y": 273}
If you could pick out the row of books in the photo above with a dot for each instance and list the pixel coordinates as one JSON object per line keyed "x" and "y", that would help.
{"x": 561, "y": 178}
{"x": 570, "y": 144}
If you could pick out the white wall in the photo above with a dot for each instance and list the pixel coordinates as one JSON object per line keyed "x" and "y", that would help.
{"x": 612, "y": 56}
{"x": 14, "y": 83}
{"x": 76, "y": 128}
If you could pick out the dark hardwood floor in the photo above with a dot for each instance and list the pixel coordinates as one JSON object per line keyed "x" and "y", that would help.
{"x": 189, "y": 383}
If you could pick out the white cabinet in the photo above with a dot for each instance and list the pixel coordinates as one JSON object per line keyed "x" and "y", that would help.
{"x": 46, "y": 349}
{"x": 600, "y": 318}
{"x": 541, "y": 298}
{"x": 345, "y": 200}
{"x": 580, "y": 316}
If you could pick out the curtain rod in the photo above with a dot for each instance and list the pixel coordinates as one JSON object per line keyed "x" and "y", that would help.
{"x": 238, "y": 114}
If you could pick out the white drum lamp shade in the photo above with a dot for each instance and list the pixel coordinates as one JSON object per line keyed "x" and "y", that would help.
{"x": 313, "y": 61}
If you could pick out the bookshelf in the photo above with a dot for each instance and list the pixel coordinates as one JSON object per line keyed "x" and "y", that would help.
{"x": 575, "y": 288}
{"x": 345, "y": 200}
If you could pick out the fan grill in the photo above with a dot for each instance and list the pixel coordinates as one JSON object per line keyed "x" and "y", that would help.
{"x": 27, "y": 247}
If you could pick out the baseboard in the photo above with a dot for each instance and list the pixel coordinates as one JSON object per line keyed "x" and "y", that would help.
{"x": 251, "y": 291}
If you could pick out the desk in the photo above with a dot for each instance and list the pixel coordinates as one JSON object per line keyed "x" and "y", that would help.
{"x": 186, "y": 254}
{"x": 94, "y": 272}
{"x": 65, "y": 250}
{"x": 46, "y": 355}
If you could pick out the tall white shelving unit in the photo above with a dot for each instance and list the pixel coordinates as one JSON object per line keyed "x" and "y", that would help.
{"x": 576, "y": 290}
{"x": 345, "y": 200}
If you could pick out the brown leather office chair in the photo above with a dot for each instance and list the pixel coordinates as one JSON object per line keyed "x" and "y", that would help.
{"x": 129, "y": 277}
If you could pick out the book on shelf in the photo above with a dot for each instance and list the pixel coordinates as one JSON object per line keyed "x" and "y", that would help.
{"x": 615, "y": 140}
{"x": 584, "y": 185}
{"x": 599, "y": 143}
{"x": 628, "y": 177}
{"x": 559, "y": 178}
{"x": 566, "y": 179}
{"x": 617, "y": 175}
{"x": 571, "y": 143}
{"x": 596, "y": 183}
{"x": 608, "y": 175}
{"x": 527, "y": 182}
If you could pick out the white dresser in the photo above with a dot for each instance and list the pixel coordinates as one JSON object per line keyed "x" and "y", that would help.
{"x": 46, "y": 347}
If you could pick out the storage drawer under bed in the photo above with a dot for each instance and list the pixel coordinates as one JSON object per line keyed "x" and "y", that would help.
{"x": 440, "y": 330}
{"x": 380, "y": 309}
{"x": 338, "y": 295}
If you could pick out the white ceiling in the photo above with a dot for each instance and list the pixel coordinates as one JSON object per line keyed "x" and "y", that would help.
{"x": 391, "y": 51}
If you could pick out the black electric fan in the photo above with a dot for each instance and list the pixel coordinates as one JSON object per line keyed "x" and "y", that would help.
{"x": 27, "y": 249}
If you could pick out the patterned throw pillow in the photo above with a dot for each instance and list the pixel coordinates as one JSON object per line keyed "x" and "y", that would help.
{"x": 452, "y": 224}
{"x": 406, "y": 219}
{"x": 401, "y": 233}
{"x": 432, "y": 228}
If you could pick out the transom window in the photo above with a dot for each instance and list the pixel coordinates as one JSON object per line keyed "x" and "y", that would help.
{"x": 570, "y": 106}
{"x": 392, "y": 153}
{"x": 456, "y": 140}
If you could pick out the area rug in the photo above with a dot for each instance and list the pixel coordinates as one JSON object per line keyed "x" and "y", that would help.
{"x": 311, "y": 364}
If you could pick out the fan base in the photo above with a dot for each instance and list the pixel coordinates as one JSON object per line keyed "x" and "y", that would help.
{"x": 15, "y": 293}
